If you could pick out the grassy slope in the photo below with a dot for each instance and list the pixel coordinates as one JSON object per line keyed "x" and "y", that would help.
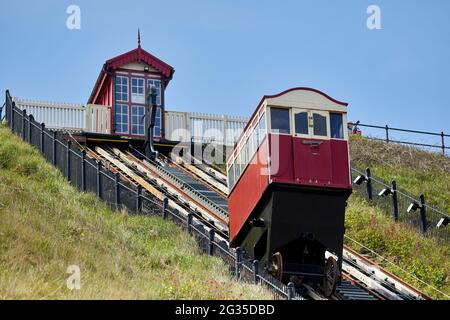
{"x": 414, "y": 170}
{"x": 405, "y": 247}
{"x": 417, "y": 172}
{"x": 46, "y": 225}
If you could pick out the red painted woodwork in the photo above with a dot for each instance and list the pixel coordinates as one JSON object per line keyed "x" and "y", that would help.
{"x": 103, "y": 91}
{"x": 294, "y": 161}
{"x": 340, "y": 163}
{"x": 140, "y": 54}
{"x": 248, "y": 190}
{"x": 313, "y": 161}
{"x": 281, "y": 164}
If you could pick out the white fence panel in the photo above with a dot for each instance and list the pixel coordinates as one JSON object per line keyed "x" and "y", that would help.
{"x": 55, "y": 115}
{"x": 203, "y": 127}
{"x": 98, "y": 119}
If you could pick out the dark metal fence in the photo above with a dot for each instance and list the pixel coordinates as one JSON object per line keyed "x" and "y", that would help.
{"x": 90, "y": 176}
{"x": 402, "y": 206}
{"x": 387, "y": 133}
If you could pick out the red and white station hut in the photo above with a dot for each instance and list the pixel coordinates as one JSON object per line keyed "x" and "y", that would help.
{"x": 121, "y": 87}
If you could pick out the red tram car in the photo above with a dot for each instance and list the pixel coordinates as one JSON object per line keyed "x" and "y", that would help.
{"x": 289, "y": 180}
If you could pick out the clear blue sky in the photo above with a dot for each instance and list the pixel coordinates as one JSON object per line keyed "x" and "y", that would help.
{"x": 228, "y": 53}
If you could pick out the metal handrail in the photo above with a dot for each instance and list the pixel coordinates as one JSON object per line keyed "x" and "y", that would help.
{"x": 356, "y": 124}
{"x": 386, "y": 128}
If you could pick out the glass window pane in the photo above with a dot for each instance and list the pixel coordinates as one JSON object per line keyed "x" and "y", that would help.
{"x": 280, "y": 120}
{"x": 262, "y": 123}
{"x": 121, "y": 118}
{"x": 337, "y": 129}
{"x": 301, "y": 123}
{"x": 261, "y": 133}
{"x": 156, "y": 84}
{"x": 231, "y": 176}
{"x": 137, "y": 123}
{"x": 320, "y": 125}
{"x": 238, "y": 167}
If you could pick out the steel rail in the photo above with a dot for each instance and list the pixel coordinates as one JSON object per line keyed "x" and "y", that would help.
{"x": 168, "y": 176}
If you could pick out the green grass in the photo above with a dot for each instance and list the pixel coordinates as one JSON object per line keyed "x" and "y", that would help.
{"x": 417, "y": 172}
{"x": 421, "y": 257}
{"x": 414, "y": 170}
{"x": 47, "y": 225}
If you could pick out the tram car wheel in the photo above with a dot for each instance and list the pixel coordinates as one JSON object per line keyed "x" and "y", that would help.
{"x": 331, "y": 276}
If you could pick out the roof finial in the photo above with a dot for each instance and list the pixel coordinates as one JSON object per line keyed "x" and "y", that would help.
{"x": 139, "y": 38}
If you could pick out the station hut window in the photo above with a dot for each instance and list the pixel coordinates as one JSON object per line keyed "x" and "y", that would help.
{"x": 137, "y": 90}
{"x": 137, "y": 120}
{"x": 320, "y": 125}
{"x": 279, "y": 119}
{"x": 157, "y": 127}
{"x": 156, "y": 84}
{"x": 121, "y": 118}
{"x": 336, "y": 124}
{"x": 121, "y": 88}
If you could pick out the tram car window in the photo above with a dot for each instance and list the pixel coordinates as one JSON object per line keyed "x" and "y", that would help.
{"x": 289, "y": 180}
{"x": 279, "y": 120}
{"x": 337, "y": 127}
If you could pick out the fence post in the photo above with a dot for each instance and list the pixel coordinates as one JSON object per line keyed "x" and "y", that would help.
{"x": 164, "y": 208}
{"x": 54, "y": 148}
{"x": 68, "y": 159}
{"x": 83, "y": 170}
{"x": 211, "y": 242}
{"x": 423, "y": 213}
{"x": 192, "y": 150}
{"x": 291, "y": 291}
{"x": 11, "y": 114}
{"x": 30, "y": 119}
{"x": 24, "y": 115}
{"x": 369, "y": 184}
{"x": 117, "y": 189}
{"x": 255, "y": 271}
{"x": 189, "y": 223}
{"x": 443, "y": 143}
{"x": 387, "y": 133}
{"x": 395, "y": 200}
{"x": 42, "y": 137}
{"x": 138, "y": 198}
{"x": 237, "y": 266}
{"x": 99, "y": 180}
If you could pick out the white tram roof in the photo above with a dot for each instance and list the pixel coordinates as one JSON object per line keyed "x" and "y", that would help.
{"x": 299, "y": 97}
{"x": 305, "y": 98}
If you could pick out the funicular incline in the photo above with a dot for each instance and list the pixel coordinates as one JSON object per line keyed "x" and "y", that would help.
{"x": 200, "y": 189}
{"x": 198, "y": 186}
{"x": 363, "y": 280}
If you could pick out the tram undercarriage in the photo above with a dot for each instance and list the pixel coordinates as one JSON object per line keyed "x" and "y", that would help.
{"x": 290, "y": 231}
